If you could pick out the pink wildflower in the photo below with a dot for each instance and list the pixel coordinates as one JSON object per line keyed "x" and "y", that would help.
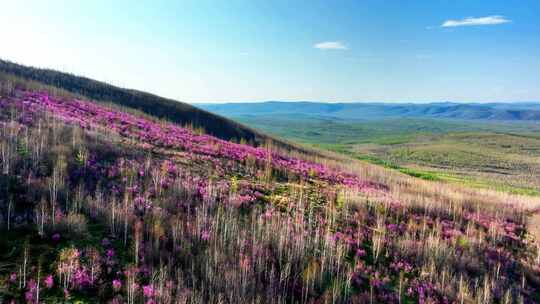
{"x": 148, "y": 291}
{"x": 205, "y": 235}
{"x": 29, "y": 296}
{"x": 110, "y": 253}
{"x": 49, "y": 282}
{"x": 117, "y": 285}
{"x": 360, "y": 253}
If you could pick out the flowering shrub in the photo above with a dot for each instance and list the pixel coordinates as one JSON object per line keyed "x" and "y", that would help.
{"x": 122, "y": 208}
{"x": 155, "y": 134}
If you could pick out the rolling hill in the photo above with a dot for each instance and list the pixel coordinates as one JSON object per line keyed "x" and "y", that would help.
{"x": 469, "y": 111}
{"x": 492, "y": 145}
{"x": 160, "y": 107}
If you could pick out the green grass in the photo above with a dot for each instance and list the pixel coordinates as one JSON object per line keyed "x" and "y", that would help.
{"x": 326, "y": 130}
{"x": 425, "y": 175}
{"x": 433, "y": 175}
{"x": 480, "y": 154}
{"x": 487, "y": 184}
{"x": 449, "y": 177}
{"x": 378, "y": 161}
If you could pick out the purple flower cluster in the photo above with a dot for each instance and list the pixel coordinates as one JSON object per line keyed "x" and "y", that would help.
{"x": 154, "y": 134}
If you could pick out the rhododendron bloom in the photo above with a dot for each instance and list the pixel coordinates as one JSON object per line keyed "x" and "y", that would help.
{"x": 29, "y": 297}
{"x": 360, "y": 253}
{"x": 49, "y": 282}
{"x": 205, "y": 235}
{"x": 110, "y": 253}
{"x": 148, "y": 291}
{"x": 117, "y": 284}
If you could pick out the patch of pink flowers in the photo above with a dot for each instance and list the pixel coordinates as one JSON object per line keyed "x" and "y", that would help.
{"x": 148, "y": 291}
{"x": 155, "y": 134}
{"x": 49, "y": 281}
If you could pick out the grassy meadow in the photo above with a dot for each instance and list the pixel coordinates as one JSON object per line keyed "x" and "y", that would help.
{"x": 484, "y": 154}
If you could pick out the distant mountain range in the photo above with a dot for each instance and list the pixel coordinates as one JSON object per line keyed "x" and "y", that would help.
{"x": 529, "y": 111}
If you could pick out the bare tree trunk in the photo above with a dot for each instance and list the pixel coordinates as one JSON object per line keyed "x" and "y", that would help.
{"x": 10, "y": 203}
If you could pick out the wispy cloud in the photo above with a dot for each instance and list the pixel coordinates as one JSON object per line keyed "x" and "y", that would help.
{"x": 330, "y": 45}
{"x": 470, "y": 21}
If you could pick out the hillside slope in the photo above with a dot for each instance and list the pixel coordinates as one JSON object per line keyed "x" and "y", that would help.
{"x": 98, "y": 205}
{"x": 160, "y": 107}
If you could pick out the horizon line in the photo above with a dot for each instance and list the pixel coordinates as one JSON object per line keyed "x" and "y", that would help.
{"x": 369, "y": 102}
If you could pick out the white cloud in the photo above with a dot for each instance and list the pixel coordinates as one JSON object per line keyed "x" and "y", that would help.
{"x": 489, "y": 20}
{"x": 331, "y": 45}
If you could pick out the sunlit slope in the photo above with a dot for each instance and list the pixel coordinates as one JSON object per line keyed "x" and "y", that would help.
{"x": 160, "y": 107}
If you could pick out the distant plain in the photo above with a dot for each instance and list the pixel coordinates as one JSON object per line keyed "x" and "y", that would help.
{"x": 480, "y": 147}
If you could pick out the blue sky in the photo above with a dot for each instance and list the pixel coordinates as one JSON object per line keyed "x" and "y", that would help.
{"x": 213, "y": 51}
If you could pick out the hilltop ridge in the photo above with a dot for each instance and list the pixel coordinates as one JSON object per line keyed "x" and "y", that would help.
{"x": 160, "y": 107}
